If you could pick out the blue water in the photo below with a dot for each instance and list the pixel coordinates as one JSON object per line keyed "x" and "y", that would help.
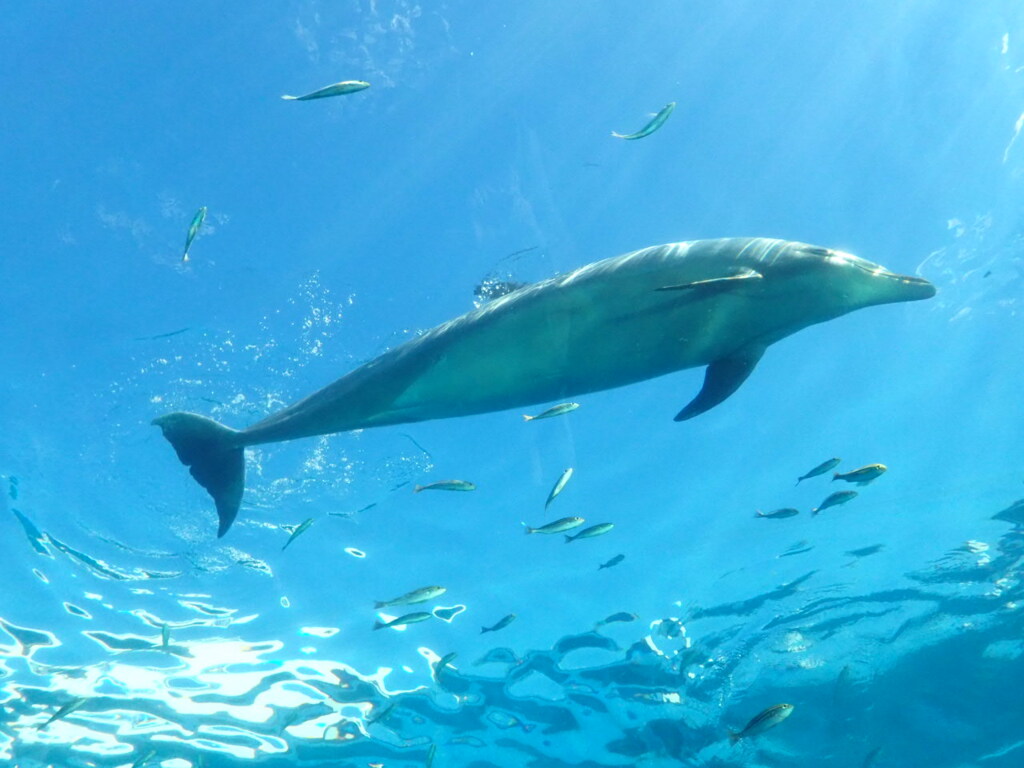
{"x": 341, "y": 227}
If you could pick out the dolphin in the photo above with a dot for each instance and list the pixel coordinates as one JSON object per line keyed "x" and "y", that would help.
{"x": 715, "y": 303}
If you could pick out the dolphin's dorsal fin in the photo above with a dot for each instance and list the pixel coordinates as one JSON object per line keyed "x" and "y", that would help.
{"x": 716, "y": 284}
{"x": 721, "y": 379}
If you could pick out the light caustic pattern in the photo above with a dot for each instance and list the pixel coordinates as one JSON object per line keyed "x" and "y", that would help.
{"x": 224, "y": 687}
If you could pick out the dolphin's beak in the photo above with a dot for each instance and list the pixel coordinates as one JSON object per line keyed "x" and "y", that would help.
{"x": 885, "y": 286}
{"x": 913, "y": 288}
{"x": 889, "y": 287}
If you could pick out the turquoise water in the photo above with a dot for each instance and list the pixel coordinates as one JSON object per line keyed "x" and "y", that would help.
{"x": 342, "y": 227}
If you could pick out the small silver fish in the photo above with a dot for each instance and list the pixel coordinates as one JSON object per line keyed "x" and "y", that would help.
{"x": 446, "y": 485}
{"x": 443, "y": 662}
{"x": 799, "y": 548}
{"x": 559, "y": 487}
{"x": 301, "y": 529}
{"x": 761, "y": 722}
{"x": 778, "y": 514}
{"x": 430, "y": 755}
{"x": 335, "y": 89}
{"x": 144, "y": 759}
{"x": 555, "y": 410}
{"x": 821, "y": 469}
{"x": 614, "y": 561}
{"x": 834, "y": 500}
{"x": 591, "y": 532}
{"x": 193, "y": 230}
{"x": 376, "y": 716}
{"x": 558, "y": 526}
{"x": 656, "y": 123}
{"x": 420, "y": 595}
{"x": 621, "y": 616}
{"x": 165, "y": 636}
{"x": 401, "y": 621}
{"x": 861, "y": 475}
{"x": 67, "y": 709}
{"x": 874, "y": 549}
{"x": 502, "y": 623}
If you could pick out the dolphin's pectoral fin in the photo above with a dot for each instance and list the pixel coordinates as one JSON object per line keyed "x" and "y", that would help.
{"x": 715, "y": 284}
{"x": 721, "y": 379}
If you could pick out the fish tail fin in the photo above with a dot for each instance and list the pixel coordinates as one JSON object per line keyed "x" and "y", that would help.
{"x": 734, "y": 737}
{"x": 286, "y": 97}
{"x": 815, "y": 511}
{"x": 379, "y": 625}
{"x": 528, "y": 529}
{"x": 214, "y": 456}
{"x": 618, "y": 135}
{"x": 528, "y": 417}
{"x": 835, "y": 476}
{"x": 568, "y": 538}
{"x": 797, "y": 482}
{"x": 417, "y": 488}
{"x": 379, "y": 604}
{"x": 758, "y": 513}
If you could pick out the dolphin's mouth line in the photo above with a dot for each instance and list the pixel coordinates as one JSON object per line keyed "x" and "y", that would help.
{"x": 910, "y": 279}
{"x": 878, "y": 271}
{"x": 920, "y": 288}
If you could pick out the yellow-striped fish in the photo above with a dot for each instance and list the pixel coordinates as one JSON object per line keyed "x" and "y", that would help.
{"x": 656, "y": 123}
{"x": 193, "y": 230}
{"x": 559, "y": 487}
{"x": 558, "y": 526}
{"x": 335, "y": 89}
{"x": 861, "y": 475}
{"x": 555, "y": 410}
{"x": 446, "y": 485}
{"x": 300, "y": 529}
{"x": 762, "y": 721}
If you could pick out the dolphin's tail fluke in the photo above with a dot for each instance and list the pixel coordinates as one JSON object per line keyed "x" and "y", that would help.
{"x": 214, "y": 456}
